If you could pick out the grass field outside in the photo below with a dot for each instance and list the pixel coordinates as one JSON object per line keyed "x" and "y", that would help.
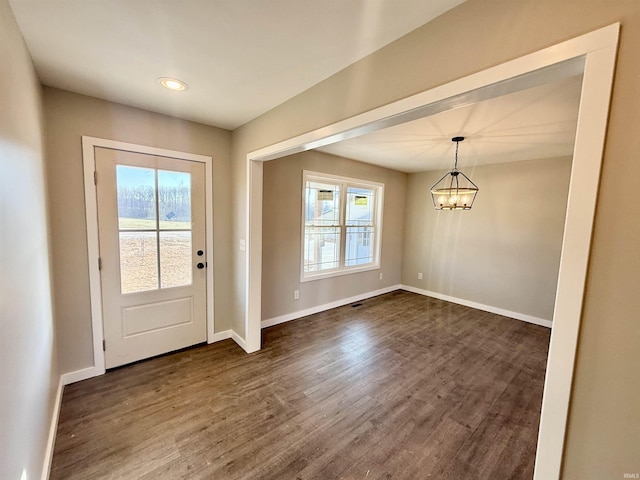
{"x": 139, "y": 265}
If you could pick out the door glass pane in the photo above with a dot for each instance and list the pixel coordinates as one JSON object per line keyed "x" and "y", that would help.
{"x": 321, "y": 248}
{"x": 175, "y": 259}
{"x": 136, "y": 197}
{"x": 138, "y": 261}
{"x": 322, "y": 204}
{"x": 360, "y": 203}
{"x": 174, "y": 200}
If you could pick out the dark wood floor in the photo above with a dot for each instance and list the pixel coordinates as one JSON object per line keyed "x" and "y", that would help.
{"x": 401, "y": 387}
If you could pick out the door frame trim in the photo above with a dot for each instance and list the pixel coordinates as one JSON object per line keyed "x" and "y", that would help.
{"x": 597, "y": 49}
{"x": 89, "y": 144}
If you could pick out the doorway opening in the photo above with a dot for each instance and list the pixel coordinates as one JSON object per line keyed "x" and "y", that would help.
{"x": 593, "y": 55}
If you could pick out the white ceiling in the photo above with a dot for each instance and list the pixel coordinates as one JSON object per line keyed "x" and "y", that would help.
{"x": 530, "y": 124}
{"x": 240, "y": 58}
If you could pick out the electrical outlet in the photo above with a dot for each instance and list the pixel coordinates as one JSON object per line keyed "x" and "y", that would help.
{"x": 420, "y": 276}
{"x": 380, "y": 275}
{"x": 296, "y": 294}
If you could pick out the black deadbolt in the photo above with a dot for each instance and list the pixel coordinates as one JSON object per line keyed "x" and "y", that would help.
{"x": 200, "y": 253}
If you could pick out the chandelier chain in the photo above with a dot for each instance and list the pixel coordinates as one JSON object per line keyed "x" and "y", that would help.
{"x": 455, "y": 166}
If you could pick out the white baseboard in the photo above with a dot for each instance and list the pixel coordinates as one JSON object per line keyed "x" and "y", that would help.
{"x": 218, "y": 337}
{"x": 327, "y": 306}
{"x": 232, "y": 335}
{"x": 487, "y": 308}
{"x": 240, "y": 341}
{"x": 53, "y": 428}
{"x": 83, "y": 374}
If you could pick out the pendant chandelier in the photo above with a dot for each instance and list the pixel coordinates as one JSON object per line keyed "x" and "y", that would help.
{"x": 454, "y": 191}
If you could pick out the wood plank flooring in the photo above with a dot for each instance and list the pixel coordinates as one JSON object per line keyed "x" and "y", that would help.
{"x": 401, "y": 387}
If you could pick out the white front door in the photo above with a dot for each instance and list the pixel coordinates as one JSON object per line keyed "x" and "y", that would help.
{"x": 151, "y": 223}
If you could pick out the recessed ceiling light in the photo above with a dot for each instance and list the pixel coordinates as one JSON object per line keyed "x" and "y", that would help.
{"x": 172, "y": 83}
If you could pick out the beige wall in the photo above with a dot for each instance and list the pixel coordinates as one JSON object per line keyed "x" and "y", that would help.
{"x": 603, "y": 438}
{"x": 505, "y": 252}
{"x": 28, "y": 366}
{"x": 281, "y": 234}
{"x": 68, "y": 117}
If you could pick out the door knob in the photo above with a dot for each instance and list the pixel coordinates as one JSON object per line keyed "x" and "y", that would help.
{"x": 200, "y": 265}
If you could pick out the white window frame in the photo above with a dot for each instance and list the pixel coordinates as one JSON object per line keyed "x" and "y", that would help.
{"x": 344, "y": 182}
